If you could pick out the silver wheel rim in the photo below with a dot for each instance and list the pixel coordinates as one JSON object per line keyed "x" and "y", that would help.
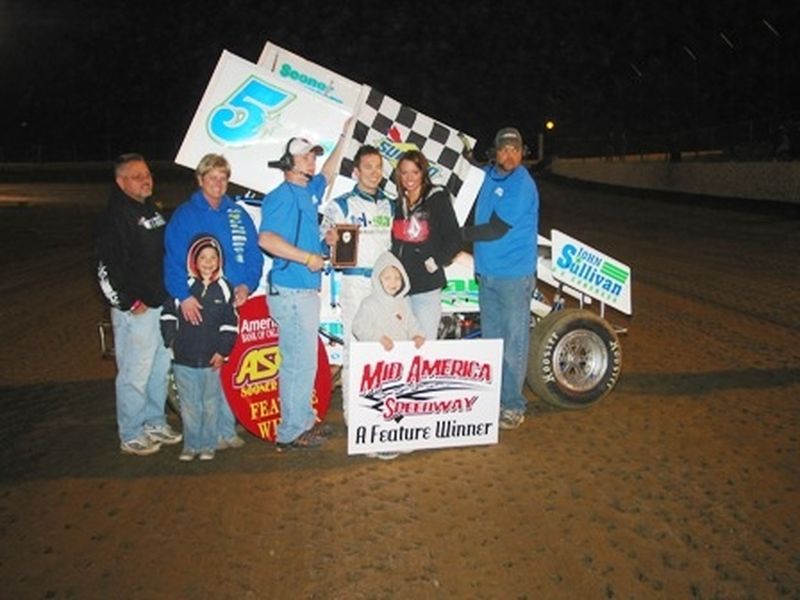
{"x": 580, "y": 359}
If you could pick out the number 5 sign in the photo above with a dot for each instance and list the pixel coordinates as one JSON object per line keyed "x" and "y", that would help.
{"x": 243, "y": 117}
{"x": 248, "y": 114}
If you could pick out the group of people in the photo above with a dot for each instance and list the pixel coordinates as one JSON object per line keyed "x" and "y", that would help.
{"x": 173, "y": 289}
{"x": 176, "y": 286}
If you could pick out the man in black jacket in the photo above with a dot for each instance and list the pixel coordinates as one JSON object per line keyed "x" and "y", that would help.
{"x": 130, "y": 270}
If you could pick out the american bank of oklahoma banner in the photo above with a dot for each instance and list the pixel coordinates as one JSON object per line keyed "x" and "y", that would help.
{"x": 250, "y": 375}
{"x": 445, "y": 394}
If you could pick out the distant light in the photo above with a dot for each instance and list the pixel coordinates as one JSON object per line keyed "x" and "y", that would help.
{"x": 549, "y": 125}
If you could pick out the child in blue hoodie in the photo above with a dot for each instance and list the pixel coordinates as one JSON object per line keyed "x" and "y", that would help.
{"x": 200, "y": 350}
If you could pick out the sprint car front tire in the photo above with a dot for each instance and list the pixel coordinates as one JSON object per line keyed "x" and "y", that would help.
{"x": 575, "y": 358}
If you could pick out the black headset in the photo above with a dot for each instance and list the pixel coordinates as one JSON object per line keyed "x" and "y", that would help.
{"x": 285, "y": 162}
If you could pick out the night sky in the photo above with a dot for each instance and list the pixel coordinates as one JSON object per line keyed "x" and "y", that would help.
{"x": 90, "y": 78}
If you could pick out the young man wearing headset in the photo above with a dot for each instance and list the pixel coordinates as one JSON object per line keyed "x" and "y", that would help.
{"x": 289, "y": 232}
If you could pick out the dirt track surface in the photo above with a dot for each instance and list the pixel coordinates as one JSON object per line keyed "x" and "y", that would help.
{"x": 684, "y": 483}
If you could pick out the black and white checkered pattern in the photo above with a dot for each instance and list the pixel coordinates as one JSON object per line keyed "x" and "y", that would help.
{"x": 441, "y": 145}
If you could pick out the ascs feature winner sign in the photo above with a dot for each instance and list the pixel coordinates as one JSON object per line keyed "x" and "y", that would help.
{"x": 250, "y": 375}
{"x": 445, "y": 394}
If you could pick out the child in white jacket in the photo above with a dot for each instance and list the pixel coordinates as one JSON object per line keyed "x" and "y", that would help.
{"x": 385, "y": 315}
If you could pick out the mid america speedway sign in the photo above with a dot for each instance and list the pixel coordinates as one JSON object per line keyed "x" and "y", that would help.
{"x": 447, "y": 393}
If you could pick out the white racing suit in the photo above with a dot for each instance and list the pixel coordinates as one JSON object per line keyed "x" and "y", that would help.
{"x": 373, "y": 215}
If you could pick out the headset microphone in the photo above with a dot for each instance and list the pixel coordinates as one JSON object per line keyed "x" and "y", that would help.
{"x": 295, "y": 146}
{"x": 284, "y": 163}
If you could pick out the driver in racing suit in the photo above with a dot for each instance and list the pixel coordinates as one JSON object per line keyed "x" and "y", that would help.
{"x": 367, "y": 206}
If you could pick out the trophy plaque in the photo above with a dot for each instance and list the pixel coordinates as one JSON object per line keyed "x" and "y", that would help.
{"x": 345, "y": 251}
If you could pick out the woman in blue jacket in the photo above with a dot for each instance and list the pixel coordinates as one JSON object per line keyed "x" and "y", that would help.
{"x": 209, "y": 211}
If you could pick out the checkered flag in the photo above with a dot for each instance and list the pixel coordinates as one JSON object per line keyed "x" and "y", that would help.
{"x": 394, "y": 128}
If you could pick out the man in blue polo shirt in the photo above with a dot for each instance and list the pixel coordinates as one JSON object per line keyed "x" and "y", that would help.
{"x": 290, "y": 233}
{"x": 505, "y": 241}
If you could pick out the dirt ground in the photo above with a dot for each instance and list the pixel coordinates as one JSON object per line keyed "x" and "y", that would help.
{"x": 683, "y": 483}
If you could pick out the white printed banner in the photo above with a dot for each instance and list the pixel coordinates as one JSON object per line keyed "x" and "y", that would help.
{"x": 445, "y": 394}
{"x": 248, "y": 115}
{"x": 297, "y": 72}
{"x": 582, "y": 267}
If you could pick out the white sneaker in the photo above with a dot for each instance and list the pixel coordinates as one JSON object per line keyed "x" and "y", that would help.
{"x": 163, "y": 434}
{"x": 187, "y": 456}
{"x": 207, "y": 455}
{"x": 383, "y": 455}
{"x": 234, "y": 442}
{"x": 140, "y": 446}
{"x": 387, "y": 455}
{"x": 511, "y": 419}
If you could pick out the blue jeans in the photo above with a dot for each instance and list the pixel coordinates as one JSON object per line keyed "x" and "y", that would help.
{"x": 200, "y": 391}
{"x": 506, "y": 314}
{"x": 297, "y": 313}
{"x": 427, "y": 309}
{"x": 226, "y": 421}
{"x": 142, "y": 369}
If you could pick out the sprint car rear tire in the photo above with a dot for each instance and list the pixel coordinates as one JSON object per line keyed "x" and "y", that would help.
{"x": 575, "y": 358}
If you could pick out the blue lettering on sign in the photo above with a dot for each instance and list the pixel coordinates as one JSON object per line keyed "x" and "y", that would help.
{"x": 244, "y": 114}
{"x": 567, "y": 252}
{"x": 586, "y": 269}
{"x": 392, "y": 153}
{"x": 389, "y": 151}
{"x": 287, "y": 71}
